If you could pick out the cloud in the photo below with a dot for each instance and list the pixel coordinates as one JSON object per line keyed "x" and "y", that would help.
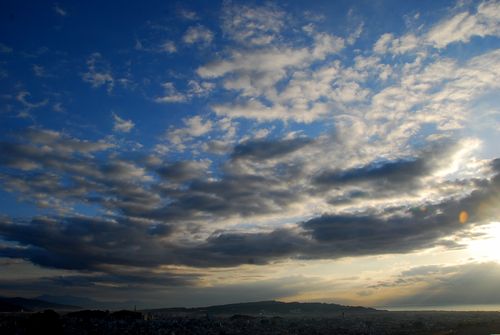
{"x": 184, "y": 170}
{"x": 171, "y": 94}
{"x": 194, "y": 127}
{"x": 98, "y": 73}
{"x": 45, "y": 239}
{"x": 436, "y": 92}
{"x": 188, "y": 14}
{"x": 198, "y": 34}
{"x": 387, "y": 173}
{"x": 326, "y": 44}
{"x": 254, "y": 73}
{"x": 39, "y": 70}
{"x": 408, "y": 230}
{"x": 22, "y": 96}
{"x": 169, "y": 47}
{"x": 58, "y": 107}
{"x": 252, "y": 25}
{"x": 400, "y": 176}
{"x": 59, "y": 10}
{"x": 195, "y": 89}
{"x": 122, "y": 125}
{"x": 443, "y": 285}
{"x": 460, "y": 27}
{"x": 50, "y": 156}
{"x": 150, "y": 205}
{"x": 463, "y": 26}
{"x": 5, "y": 49}
{"x": 383, "y": 43}
{"x": 264, "y": 149}
{"x": 272, "y": 59}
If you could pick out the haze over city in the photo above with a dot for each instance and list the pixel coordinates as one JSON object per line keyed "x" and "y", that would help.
{"x": 194, "y": 153}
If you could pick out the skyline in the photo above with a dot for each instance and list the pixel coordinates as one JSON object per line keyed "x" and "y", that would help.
{"x": 191, "y": 153}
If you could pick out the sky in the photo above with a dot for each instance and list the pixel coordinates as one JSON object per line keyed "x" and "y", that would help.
{"x": 195, "y": 153}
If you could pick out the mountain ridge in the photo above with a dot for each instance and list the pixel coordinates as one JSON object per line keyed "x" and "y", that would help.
{"x": 268, "y": 307}
{"x": 17, "y": 304}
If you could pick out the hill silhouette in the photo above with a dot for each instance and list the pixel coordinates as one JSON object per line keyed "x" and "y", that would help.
{"x": 88, "y": 303}
{"x": 17, "y": 304}
{"x": 271, "y": 307}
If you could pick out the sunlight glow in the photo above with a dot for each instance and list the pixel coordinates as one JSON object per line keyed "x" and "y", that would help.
{"x": 488, "y": 246}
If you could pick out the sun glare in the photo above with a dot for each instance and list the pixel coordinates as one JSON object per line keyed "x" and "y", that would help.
{"x": 487, "y": 247}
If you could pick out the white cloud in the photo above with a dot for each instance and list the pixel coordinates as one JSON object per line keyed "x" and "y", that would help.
{"x": 138, "y": 45}
{"x": 439, "y": 93}
{"x": 261, "y": 133}
{"x": 252, "y": 25}
{"x": 326, "y": 44}
{"x": 269, "y": 60}
{"x": 196, "y": 127}
{"x": 188, "y": 14}
{"x": 58, "y": 107}
{"x": 98, "y": 73}
{"x": 169, "y": 47}
{"x": 396, "y": 45}
{"x": 5, "y": 48}
{"x": 461, "y": 27}
{"x": 353, "y": 36}
{"x": 122, "y": 125}
{"x": 217, "y": 147}
{"x": 199, "y": 88}
{"x": 193, "y": 127}
{"x": 171, "y": 94}
{"x": 404, "y": 44}
{"x": 254, "y": 109}
{"x": 383, "y": 43}
{"x": 59, "y": 10}
{"x": 255, "y": 72}
{"x": 198, "y": 34}
{"x": 22, "y": 98}
{"x": 39, "y": 71}
{"x": 195, "y": 89}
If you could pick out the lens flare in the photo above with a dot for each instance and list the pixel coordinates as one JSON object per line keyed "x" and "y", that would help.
{"x": 463, "y": 217}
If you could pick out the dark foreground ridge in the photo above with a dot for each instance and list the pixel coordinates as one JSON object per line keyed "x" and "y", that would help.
{"x": 159, "y": 322}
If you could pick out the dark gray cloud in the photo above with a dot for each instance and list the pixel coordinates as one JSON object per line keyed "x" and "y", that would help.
{"x": 404, "y": 171}
{"x": 133, "y": 187}
{"x": 94, "y": 243}
{"x": 232, "y": 249}
{"x": 85, "y": 243}
{"x": 377, "y": 233}
{"x": 268, "y": 149}
{"x": 183, "y": 170}
{"x": 387, "y": 177}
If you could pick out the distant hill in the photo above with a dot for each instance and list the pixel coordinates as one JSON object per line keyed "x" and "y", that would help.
{"x": 87, "y": 303}
{"x": 17, "y": 304}
{"x": 270, "y": 308}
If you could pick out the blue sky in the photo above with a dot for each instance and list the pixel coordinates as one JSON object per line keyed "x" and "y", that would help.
{"x": 152, "y": 151}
